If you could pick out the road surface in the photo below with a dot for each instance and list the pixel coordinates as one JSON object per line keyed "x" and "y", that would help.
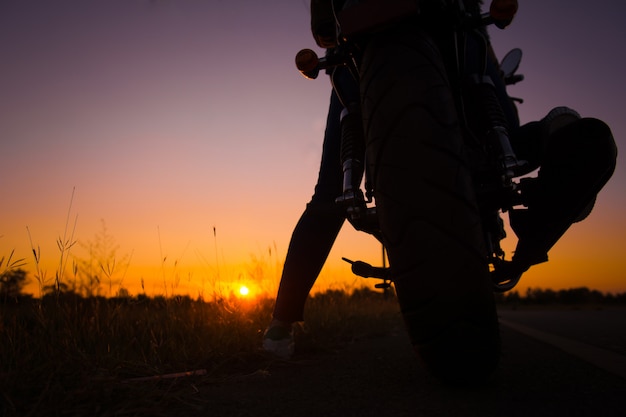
{"x": 377, "y": 375}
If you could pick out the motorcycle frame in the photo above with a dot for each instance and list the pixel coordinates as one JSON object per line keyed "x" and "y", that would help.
{"x": 496, "y": 189}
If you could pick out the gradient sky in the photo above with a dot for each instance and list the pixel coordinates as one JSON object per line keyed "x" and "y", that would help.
{"x": 173, "y": 117}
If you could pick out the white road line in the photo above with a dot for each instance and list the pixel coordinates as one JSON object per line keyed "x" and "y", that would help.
{"x": 602, "y": 358}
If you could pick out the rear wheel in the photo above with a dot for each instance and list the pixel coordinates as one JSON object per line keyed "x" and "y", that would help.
{"x": 426, "y": 205}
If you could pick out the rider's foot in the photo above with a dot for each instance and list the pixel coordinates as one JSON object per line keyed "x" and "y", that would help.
{"x": 278, "y": 339}
{"x": 507, "y": 274}
{"x": 557, "y": 118}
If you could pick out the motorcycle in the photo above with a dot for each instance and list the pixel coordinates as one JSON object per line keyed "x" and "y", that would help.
{"x": 497, "y": 190}
{"x": 429, "y": 166}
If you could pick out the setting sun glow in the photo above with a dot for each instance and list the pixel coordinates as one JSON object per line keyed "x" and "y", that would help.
{"x": 122, "y": 152}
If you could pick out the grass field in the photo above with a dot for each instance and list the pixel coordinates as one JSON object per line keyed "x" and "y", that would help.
{"x": 70, "y": 355}
{"x": 74, "y": 353}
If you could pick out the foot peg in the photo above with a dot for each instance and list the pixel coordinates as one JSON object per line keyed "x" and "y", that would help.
{"x": 366, "y": 270}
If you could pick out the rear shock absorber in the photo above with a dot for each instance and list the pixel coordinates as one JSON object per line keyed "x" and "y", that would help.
{"x": 353, "y": 163}
{"x": 352, "y": 150}
{"x": 352, "y": 140}
{"x": 492, "y": 123}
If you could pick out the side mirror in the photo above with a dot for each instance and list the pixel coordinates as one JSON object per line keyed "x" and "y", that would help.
{"x": 510, "y": 63}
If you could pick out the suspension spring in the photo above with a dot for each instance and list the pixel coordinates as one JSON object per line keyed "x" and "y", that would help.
{"x": 493, "y": 124}
{"x": 352, "y": 148}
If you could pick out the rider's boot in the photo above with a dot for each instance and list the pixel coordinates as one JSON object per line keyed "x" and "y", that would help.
{"x": 579, "y": 158}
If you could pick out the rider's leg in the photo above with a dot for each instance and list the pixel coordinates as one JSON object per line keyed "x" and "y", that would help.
{"x": 576, "y": 156}
{"x": 576, "y": 161}
{"x": 311, "y": 241}
{"x": 317, "y": 229}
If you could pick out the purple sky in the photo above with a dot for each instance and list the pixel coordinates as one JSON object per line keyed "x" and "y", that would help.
{"x": 172, "y": 117}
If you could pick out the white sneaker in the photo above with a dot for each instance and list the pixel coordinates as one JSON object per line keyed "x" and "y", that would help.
{"x": 278, "y": 339}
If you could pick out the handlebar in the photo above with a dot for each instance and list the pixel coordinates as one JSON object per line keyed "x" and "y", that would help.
{"x": 501, "y": 13}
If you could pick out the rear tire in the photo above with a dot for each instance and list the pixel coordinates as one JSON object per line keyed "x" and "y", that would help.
{"x": 426, "y": 206}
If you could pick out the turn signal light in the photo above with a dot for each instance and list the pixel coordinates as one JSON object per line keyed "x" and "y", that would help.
{"x": 503, "y": 11}
{"x": 307, "y": 60}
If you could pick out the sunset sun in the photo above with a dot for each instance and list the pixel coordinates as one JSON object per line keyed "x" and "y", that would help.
{"x": 244, "y": 291}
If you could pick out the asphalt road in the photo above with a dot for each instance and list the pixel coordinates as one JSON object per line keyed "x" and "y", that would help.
{"x": 378, "y": 375}
{"x": 597, "y": 336}
{"x": 603, "y": 328}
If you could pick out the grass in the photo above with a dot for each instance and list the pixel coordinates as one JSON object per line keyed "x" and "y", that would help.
{"x": 66, "y": 354}
{"x": 70, "y": 355}
{"x": 74, "y": 352}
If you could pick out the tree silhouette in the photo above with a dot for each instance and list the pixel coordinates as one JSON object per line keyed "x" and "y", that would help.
{"x": 12, "y": 283}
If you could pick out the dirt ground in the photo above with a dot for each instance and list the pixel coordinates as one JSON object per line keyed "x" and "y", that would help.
{"x": 378, "y": 375}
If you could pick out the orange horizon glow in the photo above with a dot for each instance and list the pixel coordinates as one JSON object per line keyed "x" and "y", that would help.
{"x": 191, "y": 272}
{"x": 197, "y": 146}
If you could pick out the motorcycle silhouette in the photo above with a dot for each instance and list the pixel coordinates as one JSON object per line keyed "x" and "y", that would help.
{"x": 429, "y": 167}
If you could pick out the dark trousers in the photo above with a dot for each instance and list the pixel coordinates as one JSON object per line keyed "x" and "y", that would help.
{"x": 317, "y": 229}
